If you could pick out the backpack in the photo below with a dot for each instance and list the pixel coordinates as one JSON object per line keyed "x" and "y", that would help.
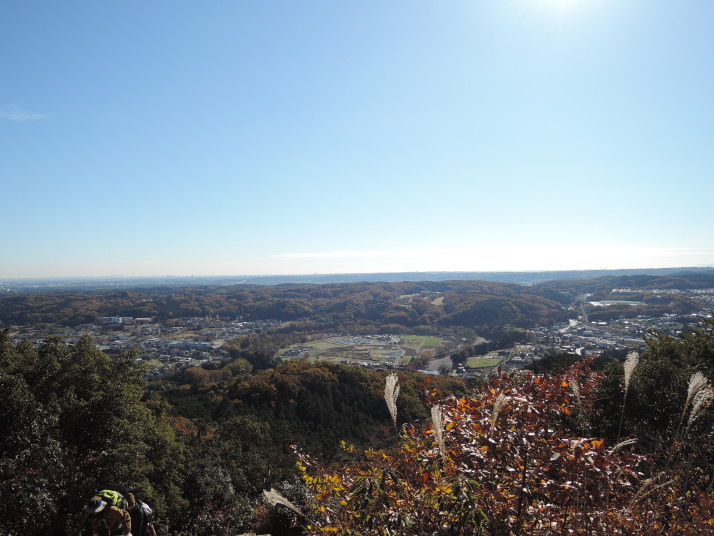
{"x": 148, "y": 512}
{"x": 113, "y": 498}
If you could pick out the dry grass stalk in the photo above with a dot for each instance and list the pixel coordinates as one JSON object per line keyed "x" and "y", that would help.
{"x": 648, "y": 487}
{"x": 273, "y": 497}
{"x": 576, "y": 388}
{"x": 622, "y": 444}
{"x": 501, "y": 400}
{"x": 700, "y": 402}
{"x": 437, "y": 421}
{"x": 391, "y": 392}
{"x": 630, "y": 364}
{"x": 698, "y": 383}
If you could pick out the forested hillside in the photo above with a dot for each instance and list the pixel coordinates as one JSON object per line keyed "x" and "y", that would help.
{"x": 391, "y": 307}
{"x": 200, "y": 448}
{"x": 641, "y": 282}
{"x": 532, "y": 454}
{"x": 346, "y": 306}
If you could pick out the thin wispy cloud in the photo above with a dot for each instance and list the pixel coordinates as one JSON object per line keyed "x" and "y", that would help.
{"x": 351, "y": 254}
{"x": 673, "y": 252}
{"x": 13, "y": 113}
{"x": 500, "y": 258}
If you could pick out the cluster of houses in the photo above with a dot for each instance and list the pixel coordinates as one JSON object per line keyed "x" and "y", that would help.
{"x": 371, "y": 365}
{"x": 189, "y": 342}
{"x": 198, "y": 340}
{"x": 121, "y": 320}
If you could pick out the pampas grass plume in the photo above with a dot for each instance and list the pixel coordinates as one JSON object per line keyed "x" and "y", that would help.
{"x": 391, "y": 392}
{"x": 273, "y": 497}
{"x": 575, "y": 387}
{"x": 501, "y": 400}
{"x": 698, "y": 394}
{"x": 630, "y": 363}
{"x": 437, "y": 421}
{"x": 701, "y": 401}
{"x": 625, "y": 443}
{"x": 696, "y": 383}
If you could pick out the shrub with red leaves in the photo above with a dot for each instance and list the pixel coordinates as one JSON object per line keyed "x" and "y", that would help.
{"x": 506, "y": 462}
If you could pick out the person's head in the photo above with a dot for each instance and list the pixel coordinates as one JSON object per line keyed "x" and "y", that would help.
{"x": 130, "y": 501}
{"x": 95, "y": 505}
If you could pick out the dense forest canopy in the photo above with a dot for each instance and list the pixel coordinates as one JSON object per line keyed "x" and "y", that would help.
{"x": 349, "y": 305}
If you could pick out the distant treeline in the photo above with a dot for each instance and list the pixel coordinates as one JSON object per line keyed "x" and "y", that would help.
{"x": 524, "y": 278}
{"x": 348, "y": 306}
{"x": 389, "y": 307}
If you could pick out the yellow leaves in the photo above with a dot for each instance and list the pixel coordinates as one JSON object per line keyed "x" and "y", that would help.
{"x": 347, "y": 447}
{"x": 530, "y": 462}
{"x": 443, "y": 490}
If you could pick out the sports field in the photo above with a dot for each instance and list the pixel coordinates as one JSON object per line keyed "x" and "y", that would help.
{"x": 365, "y": 349}
{"x": 483, "y": 362}
{"x": 421, "y": 340}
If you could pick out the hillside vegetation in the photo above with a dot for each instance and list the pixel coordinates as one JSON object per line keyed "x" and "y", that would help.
{"x": 368, "y": 307}
{"x": 533, "y": 454}
{"x": 346, "y": 306}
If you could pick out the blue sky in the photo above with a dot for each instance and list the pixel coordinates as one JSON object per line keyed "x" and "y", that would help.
{"x": 271, "y": 137}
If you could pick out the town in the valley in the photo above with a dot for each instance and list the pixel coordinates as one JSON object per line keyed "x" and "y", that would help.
{"x": 183, "y": 342}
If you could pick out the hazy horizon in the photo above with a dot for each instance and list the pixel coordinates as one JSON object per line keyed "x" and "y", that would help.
{"x": 278, "y": 138}
{"x": 168, "y": 276}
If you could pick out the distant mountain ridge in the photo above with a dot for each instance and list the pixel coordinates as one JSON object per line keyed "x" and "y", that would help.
{"x": 394, "y": 307}
{"x": 523, "y": 278}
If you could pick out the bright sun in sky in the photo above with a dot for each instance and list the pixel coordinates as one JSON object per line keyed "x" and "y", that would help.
{"x": 558, "y": 4}
{"x": 150, "y": 138}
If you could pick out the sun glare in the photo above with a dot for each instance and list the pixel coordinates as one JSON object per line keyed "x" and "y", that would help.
{"x": 560, "y": 4}
{"x": 560, "y": 8}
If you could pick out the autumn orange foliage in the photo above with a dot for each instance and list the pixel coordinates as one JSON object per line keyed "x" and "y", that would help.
{"x": 512, "y": 464}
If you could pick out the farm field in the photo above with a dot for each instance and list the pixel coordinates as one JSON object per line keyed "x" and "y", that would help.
{"x": 483, "y": 362}
{"x": 375, "y": 349}
{"x": 421, "y": 340}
